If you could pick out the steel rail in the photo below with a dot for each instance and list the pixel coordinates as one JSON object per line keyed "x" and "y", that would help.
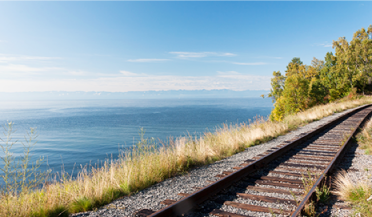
{"x": 312, "y": 193}
{"x": 189, "y": 202}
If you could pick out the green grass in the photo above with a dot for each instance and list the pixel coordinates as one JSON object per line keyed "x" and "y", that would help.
{"x": 323, "y": 194}
{"x": 358, "y": 197}
{"x": 356, "y": 193}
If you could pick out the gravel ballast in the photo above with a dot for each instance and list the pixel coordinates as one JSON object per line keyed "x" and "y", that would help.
{"x": 151, "y": 197}
{"x": 359, "y": 167}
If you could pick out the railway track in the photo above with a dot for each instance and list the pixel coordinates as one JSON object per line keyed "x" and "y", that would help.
{"x": 282, "y": 181}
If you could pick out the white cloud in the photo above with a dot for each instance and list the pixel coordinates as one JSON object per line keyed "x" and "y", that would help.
{"x": 24, "y": 68}
{"x": 20, "y": 71}
{"x": 227, "y": 54}
{"x": 4, "y": 58}
{"x": 147, "y": 60}
{"x": 199, "y": 54}
{"x": 242, "y": 77}
{"x": 251, "y": 64}
{"x": 133, "y": 82}
{"x": 77, "y": 73}
{"x": 39, "y": 58}
{"x": 228, "y": 73}
{"x": 27, "y": 76}
{"x": 129, "y": 74}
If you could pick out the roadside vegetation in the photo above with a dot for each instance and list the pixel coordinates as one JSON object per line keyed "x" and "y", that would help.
{"x": 359, "y": 194}
{"x": 148, "y": 162}
{"x": 343, "y": 74}
{"x": 364, "y": 138}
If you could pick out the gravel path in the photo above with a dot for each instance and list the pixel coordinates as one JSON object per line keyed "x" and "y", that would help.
{"x": 151, "y": 197}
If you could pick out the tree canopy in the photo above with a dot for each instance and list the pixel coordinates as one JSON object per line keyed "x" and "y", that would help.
{"x": 345, "y": 73}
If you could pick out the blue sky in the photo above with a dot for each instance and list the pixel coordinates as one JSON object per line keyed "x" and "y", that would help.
{"x": 140, "y": 46}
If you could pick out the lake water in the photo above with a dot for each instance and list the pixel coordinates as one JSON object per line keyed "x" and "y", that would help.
{"x": 78, "y": 132}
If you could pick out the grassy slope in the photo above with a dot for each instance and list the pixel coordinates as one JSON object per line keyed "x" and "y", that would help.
{"x": 147, "y": 165}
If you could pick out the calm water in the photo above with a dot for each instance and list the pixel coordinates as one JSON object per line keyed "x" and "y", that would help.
{"x": 79, "y": 132}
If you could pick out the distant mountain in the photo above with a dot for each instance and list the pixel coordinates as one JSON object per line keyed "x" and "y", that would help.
{"x": 176, "y": 94}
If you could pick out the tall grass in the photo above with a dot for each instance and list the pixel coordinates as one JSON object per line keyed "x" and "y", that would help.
{"x": 19, "y": 174}
{"x": 147, "y": 164}
{"x": 357, "y": 193}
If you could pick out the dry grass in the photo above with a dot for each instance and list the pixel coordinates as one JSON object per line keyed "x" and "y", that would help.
{"x": 343, "y": 185}
{"x": 355, "y": 193}
{"x": 364, "y": 138}
{"x": 145, "y": 165}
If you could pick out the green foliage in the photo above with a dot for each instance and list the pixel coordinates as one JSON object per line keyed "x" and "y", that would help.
{"x": 359, "y": 198}
{"x": 81, "y": 205}
{"x": 317, "y": 93}
{"x": 291, "y": 92}
{"x": 357, "y": 194}
{"x": 278, "y": 112}
{"x": 323, "y": 194}
{"x": 354, "y": 58}
{"x": 295, "y": 94}
{"x": 277, "y": 84}
{"x": 59, "y": 211}
{"x": 296, "y": 61}
{"x": 346, "y": 73}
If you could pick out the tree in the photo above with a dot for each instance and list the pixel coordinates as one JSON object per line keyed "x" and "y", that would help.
{"x": 277, "y": 86}
{"x": 277, "y": 114}
{"x": 362, "y": 56}
{"x": 355, "y": 58}
{"x": 332, "y": 80}
{"x": 290, "y": 92}
{"x": 343, "y": 66}
{"x": 318, "y": 65}
{"x": 348, "y": 71}
{"x": 295, "y": 93}
{"x": 295, "y": 60}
